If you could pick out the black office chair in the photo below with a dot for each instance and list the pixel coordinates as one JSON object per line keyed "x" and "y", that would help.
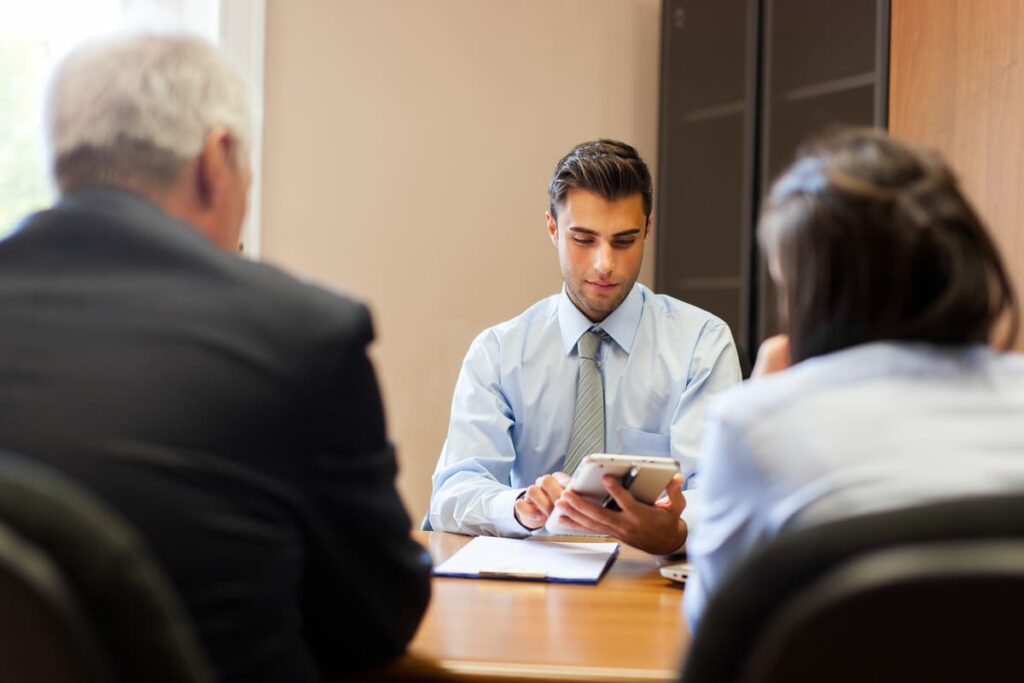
{"x": 80, "y": 600}
{"x": 931, "y": 593}
{"x": 44, "y": 634}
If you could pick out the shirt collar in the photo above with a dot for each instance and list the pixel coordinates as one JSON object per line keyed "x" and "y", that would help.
{"x": 621, "y": 325}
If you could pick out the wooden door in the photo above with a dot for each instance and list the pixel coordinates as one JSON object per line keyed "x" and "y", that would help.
{"x": 957, "y": 85}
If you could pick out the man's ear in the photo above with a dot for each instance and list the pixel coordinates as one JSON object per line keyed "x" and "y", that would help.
{"x": 647, "y": 227}
{"x": 216, "y": 155}
{"x": 552, "y": 227}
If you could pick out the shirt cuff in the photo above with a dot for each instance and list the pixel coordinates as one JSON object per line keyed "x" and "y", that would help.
{"x": 504, "y": 516}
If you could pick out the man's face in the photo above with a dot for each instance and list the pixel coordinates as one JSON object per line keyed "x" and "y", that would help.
{"x": 600, "y": 248}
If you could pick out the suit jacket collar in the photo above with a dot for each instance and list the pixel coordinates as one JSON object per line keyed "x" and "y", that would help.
{"x": 131, "y": 210}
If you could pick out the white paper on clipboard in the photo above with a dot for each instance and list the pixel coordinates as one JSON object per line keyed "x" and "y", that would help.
{"x": 509, "y": 558}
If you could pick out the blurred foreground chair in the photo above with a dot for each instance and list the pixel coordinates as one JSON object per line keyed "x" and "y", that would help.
{"x": 930, "y": 593}
{"x": 80, "y": 599}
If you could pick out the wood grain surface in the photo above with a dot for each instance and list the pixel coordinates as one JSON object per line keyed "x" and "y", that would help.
{"x": 957, "y": 85}
{"x": 628, "y": 627}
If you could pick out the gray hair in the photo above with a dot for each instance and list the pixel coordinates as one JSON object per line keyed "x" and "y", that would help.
{"x": 138, "y": 107}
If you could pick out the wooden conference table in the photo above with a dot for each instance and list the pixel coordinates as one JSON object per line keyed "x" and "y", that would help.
{"x": 628, "y": 627}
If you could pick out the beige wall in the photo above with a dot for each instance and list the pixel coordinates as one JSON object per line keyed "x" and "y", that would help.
{"x": 408, "y": 146}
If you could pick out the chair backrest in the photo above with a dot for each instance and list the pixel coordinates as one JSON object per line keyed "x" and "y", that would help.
{"x": 44, "y": 635}
{"x": 79, "y": 582}
{"x": 925, "y": 593}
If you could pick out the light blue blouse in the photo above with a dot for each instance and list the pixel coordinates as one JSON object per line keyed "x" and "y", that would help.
{"x": 870, "y": 428}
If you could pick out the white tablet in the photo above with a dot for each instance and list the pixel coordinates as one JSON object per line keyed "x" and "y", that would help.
{"x": 645, "y": 477}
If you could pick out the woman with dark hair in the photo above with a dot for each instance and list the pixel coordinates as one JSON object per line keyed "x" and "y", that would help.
{"x": 891, "y": 293}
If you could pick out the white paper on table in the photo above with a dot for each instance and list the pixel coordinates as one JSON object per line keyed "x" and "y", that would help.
{"x": 509, "y": 558}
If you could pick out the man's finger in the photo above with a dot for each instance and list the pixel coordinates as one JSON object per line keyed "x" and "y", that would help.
{"x": 579, "y": 521}
{"x": 551, "y": 487}
{"x": 566, "y": 520}
{"x": 676, "y": 499}
{"x": 621, "y": 496}
{"x": 585, "y": 511}
{"x": 525, "y": 506}
{"x": 530, "y": 515}
{"x": 535, "y": 494}
{"x": 562, "y": 478}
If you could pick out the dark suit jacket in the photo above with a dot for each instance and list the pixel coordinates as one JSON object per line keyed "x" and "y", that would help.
{"x": 231, "y": 414}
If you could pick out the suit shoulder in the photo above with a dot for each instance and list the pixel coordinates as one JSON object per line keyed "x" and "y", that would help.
{"x": 306, "y": 304}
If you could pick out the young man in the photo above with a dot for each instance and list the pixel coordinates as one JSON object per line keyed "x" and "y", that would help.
{"x": 227, "y": 410}
{"x": 604, "y": 366}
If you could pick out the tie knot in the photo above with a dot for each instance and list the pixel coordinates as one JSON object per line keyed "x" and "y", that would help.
{"x": 589, "y": 342}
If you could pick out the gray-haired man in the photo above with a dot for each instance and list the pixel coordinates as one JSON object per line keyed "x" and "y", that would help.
{"x": 224, "y": 408}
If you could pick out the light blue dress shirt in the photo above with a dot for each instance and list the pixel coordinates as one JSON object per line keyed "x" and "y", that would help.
{"x": 515, "y": 397}
{"x": 867, "y": 429}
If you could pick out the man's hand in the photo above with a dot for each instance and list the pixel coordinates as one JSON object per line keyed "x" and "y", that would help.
{"x": 534, "y": 507}
{"x": 773, "y": 356}
{"x": 654, "y": 528}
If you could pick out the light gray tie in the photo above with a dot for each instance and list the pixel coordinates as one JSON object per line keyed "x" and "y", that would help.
{"x": 588, "y": 422}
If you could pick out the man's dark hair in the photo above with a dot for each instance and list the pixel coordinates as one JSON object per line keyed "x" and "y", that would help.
{"x": 610, "y": 168}
{"x": 874, "y": 241}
